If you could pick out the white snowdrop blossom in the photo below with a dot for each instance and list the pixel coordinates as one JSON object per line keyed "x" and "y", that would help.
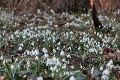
{"x": 44, "y": 50}
{"x": 106, "y": 72}
{"x": 62, "y": 53}
{"x": 109, "y": 65}
{"x": 40, "y": 78}
{"x": 54, "y": 51}
{"x": 101, "y": 68}
{"x": 51, "y": 68}
{"x": 63, "y": 60}
{"x": 69, "y": 48}
{"x": 36, "y": 52}
{"x": 54, "y": 68}
{"x": 36, "y": 58}
{"x": 104, "y": 77}
{"x": 33, "y": 52}
{"x": 91, "y": 50}
{"x": 21, "y": 45}
{"x": 27, "y": 52}
{"x": 72, "y": 67}
{"x": 71, "y": 32}
{"x": 24, "y": 76}
{"x": 46, "y": 56}
{"x": 64, "y": 66}
{"x": 111, "y": 62}
{"x": 28, "y": 63}
{"x": 38, "y": 11}
{"x": 20, "y": 48}
{"x": 68, "y": 56}
{"x": 53, "y": 61}
{"x": 24, "y": 36}
{"x": 16, "y": 59}
{"x": 66, "y": 73}
{"x": 1, "y": 57}
{"x": 12, "y": 67}
{"x": 58, "y": 43}
{"x": 72, "y": 78}
{"x": 92, "y": 70}
{"x": 52, "y": 74}
{"x": 58, "y": 48}
{"x": 79, "y": 48}
{"x": 4, "y": 61}
{"x": 58, "y": 63}
{"x": 32, "y": 44}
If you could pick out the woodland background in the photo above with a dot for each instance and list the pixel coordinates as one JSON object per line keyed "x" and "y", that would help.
{"x": 25, "y": 6}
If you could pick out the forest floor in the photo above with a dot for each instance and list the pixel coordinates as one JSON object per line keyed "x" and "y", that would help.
{"x": 67, "y": 47}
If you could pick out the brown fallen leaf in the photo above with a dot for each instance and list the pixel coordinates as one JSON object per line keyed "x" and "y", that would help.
{"x": 109, "y": 53}
{"x": 3, "y": 78}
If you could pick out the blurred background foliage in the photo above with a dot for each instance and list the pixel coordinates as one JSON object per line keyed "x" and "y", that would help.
{"x": 76, "y": 6}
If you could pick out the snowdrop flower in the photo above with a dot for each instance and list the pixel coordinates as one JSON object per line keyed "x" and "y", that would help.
{"x": 1, "y": 57}
{"x": 37, "y": 58}
{"x": 91, "y": 50}
{"x": 36, "y": 52}
{"x": 32, "y": 44}
{"x": 92, "y": 70}
{"x": 48, "y": 62}
{"x": 72, "y": 67}
{"x": 18, "y": 66}
{"x": 52, "y": 74}
{"x": 55, "y": 25}
{"x": 63, "y": 60}
{"x": 68, "y": 56}
{"x": 66, "y": 73}
{"x": 28, "y": 63}
{"x": 69, "y": 48}
{"x": 79, "y": 48}
{"x": 111, "y": 62}
{"x": 72, "y": 78}
{"x": 58, "y": 48}
{"x": 58, "y": 63}
{"x": 64, "y": 66}
{"x": 62, "y": 53}
{"x": 24, "y": 76}
{"x": 12, "y": 67}
{"x": 20, "y": 48}
{"x": 54, "y": 60}
{"x": 4, "y": 61}
{"x": 67, "y": 24}
{"x": 27, "y": 52}
{"x": 71, "y": 32}
{"x": 55, "y": 68}
{"x": 38, "y": 11}
{"x": 58, "y": 43}
{"x": 101, "y": 68}
{"x": 110, "y": 65}
{"x": 24, "y": 36}
{"x": 106, "y": 72}
{"x": 54, "y": 51}
{"x": 46, "y": 56}
{"x": 33, "y": 53}
{"x": 44, "y": 50}
{"x": 40, "y": 78}
{"x": 51, "y": 68}
{"x": 104, "y": 77}
{"x": 16, "y": 59}
{"x": 21, "y": 45}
